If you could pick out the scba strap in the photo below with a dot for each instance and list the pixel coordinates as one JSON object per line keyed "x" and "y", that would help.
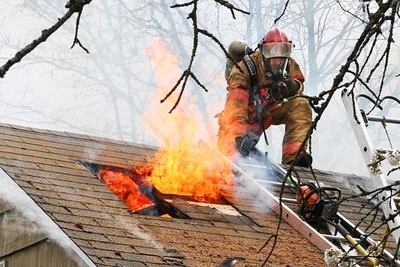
{"x": 252, "y": 70}
{"x": 254, "y": 91}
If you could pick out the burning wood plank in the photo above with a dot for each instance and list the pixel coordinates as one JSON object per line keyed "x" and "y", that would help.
{"x": 127, "y": 190}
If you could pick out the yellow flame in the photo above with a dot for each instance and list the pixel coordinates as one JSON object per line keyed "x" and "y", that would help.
{"x": 182, "y": 166}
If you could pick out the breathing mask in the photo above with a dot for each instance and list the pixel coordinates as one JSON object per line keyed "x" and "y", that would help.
{"x": 276, "y": 58}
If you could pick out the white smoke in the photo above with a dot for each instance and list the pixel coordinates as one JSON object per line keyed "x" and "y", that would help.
{"x": 255, "y": 176}
{"x": 93, "y": 151}
{"x": 132, "y": 227}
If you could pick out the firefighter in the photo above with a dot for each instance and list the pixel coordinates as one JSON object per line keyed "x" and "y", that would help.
{"x": 258, "y": 98}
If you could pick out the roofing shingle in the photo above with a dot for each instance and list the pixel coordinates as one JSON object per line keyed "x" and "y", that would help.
{"x": 48, "y": 166}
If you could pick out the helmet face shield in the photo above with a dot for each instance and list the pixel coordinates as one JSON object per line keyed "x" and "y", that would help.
{"x": 276, "y": 50}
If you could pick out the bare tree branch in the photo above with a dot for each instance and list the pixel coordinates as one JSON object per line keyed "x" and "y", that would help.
{"x": 73, "y": 6}
{"x": 196, "y": 30}
{"x": 283, "y": 12}
{"x": 231, "y": 7}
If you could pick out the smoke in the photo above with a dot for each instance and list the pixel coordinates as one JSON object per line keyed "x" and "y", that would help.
{"x": 34, "y": 219}
{"x": 346, "y": 183}
{"x": 92, "y": 152}
{"x": 131, "y": 226}
{"x": 13, "y": 223}
{"x": 256, "y": 176}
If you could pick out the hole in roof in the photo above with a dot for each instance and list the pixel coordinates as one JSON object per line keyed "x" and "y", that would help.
{"x": 141, "y": 197}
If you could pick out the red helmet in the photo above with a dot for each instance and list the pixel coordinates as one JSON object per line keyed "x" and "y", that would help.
{"x": 275, "y": 35}
{"x": 276, "y": 44}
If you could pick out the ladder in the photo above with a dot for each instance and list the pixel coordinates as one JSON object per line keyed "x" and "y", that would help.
{"x": 260, "y": 190}
{"x": 358, "y": 121}
{"x": 261, "y": 186}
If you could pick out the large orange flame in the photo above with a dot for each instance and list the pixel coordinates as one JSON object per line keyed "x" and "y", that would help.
{"x": 182, "y": 166}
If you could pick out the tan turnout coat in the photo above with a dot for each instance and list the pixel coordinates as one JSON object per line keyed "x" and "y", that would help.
{"x": 239, "y": 115}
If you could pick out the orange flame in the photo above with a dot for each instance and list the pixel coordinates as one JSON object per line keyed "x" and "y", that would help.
{"x": 124, "y": 188}
{"x": 181, "y": 166}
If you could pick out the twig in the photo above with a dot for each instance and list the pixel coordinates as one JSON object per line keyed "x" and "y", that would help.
{"x": 73, "y": 6}
{"x": 77, "y": 6}
{"x": 76, "y": 40}
{"x": 283, "y": 12}
{"x": 231, "y": 7}
{"x": 182, "y": 81}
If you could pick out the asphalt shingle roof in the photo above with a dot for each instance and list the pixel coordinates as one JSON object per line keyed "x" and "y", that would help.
{"x": 47, "y": 165}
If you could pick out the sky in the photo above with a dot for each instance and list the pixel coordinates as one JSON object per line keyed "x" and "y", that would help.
{"x": 112, "y": 91}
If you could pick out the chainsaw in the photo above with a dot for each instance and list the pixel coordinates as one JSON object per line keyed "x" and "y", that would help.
{"x": 317, "y": 202}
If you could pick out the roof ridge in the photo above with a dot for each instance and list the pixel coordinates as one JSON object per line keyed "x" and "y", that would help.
{"x": 75, "y": 135}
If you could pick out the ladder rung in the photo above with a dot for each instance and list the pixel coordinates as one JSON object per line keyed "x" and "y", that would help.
{"x": 383, "y": 119}
{"x": 289, "y": 200}
{"x": 339, "y": 238}
{"x": 274, "y": 183}
{"x": 384, "y": 150}
{"x": 396, "y": 199}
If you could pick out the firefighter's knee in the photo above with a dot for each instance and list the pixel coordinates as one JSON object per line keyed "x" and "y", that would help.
{"x": 301, "y": 109}
{"x": 298, "y": 116}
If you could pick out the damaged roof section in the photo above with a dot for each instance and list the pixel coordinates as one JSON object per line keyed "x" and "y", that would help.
{"x": 141, "y": 197}
{"x": 48, "y": 166}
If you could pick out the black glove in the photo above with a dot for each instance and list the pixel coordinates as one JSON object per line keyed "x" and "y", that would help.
{"x": 284, "y": 88}
{"x": 244, "y": 144}
{"x": 292, "y": 86}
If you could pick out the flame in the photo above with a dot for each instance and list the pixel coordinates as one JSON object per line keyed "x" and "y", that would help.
{"x": 181, "y": 166}
{"x": 124, "y": 188}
